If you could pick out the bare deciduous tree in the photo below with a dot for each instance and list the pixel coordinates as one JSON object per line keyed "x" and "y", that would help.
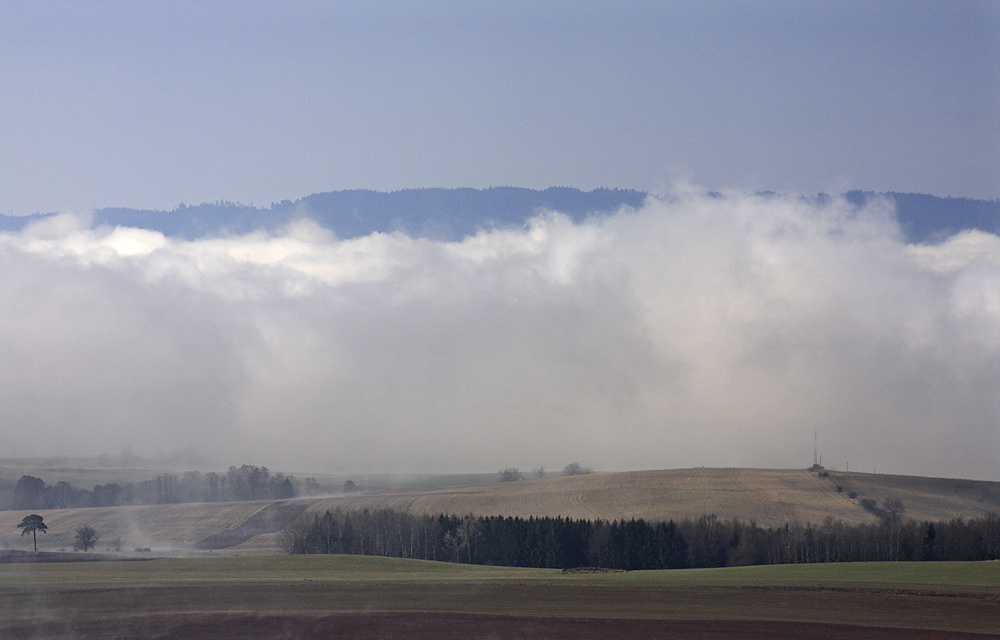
{"x": 510, "y": 474}
{"x": 86, "y": 538}
{"x": 576, "y": 469}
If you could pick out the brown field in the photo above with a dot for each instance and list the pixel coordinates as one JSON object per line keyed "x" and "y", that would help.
{"x": 451, "y": 626}
{"x": 158, "y": 527}
{"x": 769, "y": 497}
{"x": 926, "y": 498}
{"x": 357, "y": 597}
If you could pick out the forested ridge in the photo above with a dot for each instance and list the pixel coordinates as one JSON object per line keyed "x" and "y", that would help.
{"x": 247, "y": 482}
{"x": 451, "y": 214}
{"x": 637, "y": 544}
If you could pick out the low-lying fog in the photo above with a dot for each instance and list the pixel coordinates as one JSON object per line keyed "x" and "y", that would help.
{"x": 700, "y": 331}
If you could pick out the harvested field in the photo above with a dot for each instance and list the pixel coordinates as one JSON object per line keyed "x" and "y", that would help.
{"x": 272, "y": 518}
{"x": 157, "y": 527}
{"x": 770, "y": 497}
{"x": 925, "y": 498}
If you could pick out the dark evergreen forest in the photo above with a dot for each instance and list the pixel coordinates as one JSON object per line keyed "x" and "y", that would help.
{"x": 637, "y": 544}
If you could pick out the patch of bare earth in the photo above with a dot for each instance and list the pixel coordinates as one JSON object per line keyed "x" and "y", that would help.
{"x": 441, "y": 626}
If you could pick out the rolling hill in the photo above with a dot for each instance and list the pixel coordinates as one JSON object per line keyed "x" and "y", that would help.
{"x": 769, "y": 497}
{"x": 156, "y": 527}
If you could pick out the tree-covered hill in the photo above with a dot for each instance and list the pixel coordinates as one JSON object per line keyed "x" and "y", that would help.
{"x": 451, "y": 214}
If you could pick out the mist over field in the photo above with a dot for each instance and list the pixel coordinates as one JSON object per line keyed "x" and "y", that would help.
{"x": 693, "y": 330}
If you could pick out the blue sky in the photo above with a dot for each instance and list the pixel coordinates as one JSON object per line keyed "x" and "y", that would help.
{"x": 151, "y": 104}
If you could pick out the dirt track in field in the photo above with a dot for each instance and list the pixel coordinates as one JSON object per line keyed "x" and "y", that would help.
{"x": 270, "y": 519}
{"x": 443, "y": 626}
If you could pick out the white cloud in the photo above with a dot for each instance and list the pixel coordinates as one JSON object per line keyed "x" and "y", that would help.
{"x": 694, "y": 331}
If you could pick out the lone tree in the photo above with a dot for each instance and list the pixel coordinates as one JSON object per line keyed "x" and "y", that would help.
{"x": 86, "y": 538}
{"x": 893, "y": 510}
{"x": 510, "y": 474}
{"x": 34, "y": 524}
{"x": 576, "y": 469}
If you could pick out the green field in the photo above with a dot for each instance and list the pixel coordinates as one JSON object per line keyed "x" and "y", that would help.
{"x": 946, "y": 597}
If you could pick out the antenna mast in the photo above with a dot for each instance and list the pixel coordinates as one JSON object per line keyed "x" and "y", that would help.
{"x": 815, "y": 447}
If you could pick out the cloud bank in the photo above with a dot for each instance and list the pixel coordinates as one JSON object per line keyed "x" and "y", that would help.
{"x": 695, "y": 330}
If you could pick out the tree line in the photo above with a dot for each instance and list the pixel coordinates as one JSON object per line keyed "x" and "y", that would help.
{"x": 248, "y": 482}
{"x": 636, "y": 544}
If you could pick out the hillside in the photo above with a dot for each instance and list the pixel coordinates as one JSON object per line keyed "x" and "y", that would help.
{"x": 768, "y": 497}
{"x": 925, "y": 498}
{"x": 158, "y": 527}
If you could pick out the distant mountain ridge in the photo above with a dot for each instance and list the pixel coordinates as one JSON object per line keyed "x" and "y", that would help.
{"x": 930, "y": 219}
{"x": 452, "y": 214}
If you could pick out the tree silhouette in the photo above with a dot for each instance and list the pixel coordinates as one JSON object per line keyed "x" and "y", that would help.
{"x": 86, "y": 538}
{"x": 576, "y": 469}
{"x": 510, "y": 474}
{"x": 34, "y": 524}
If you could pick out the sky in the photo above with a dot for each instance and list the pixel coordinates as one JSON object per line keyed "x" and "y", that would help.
{"x": 691, "y": 331}
{"x": 151, "y": 104}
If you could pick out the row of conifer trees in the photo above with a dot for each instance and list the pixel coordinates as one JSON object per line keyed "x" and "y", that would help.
{"x": 636, "y": 544}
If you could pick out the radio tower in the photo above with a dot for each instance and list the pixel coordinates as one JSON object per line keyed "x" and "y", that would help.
{"x": 816, "y": 459}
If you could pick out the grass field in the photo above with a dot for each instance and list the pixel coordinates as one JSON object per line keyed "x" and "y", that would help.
{"x": 860, "y": 600}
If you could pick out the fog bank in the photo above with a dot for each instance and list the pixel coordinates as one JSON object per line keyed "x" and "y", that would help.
{"x": 716, "y": 331}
